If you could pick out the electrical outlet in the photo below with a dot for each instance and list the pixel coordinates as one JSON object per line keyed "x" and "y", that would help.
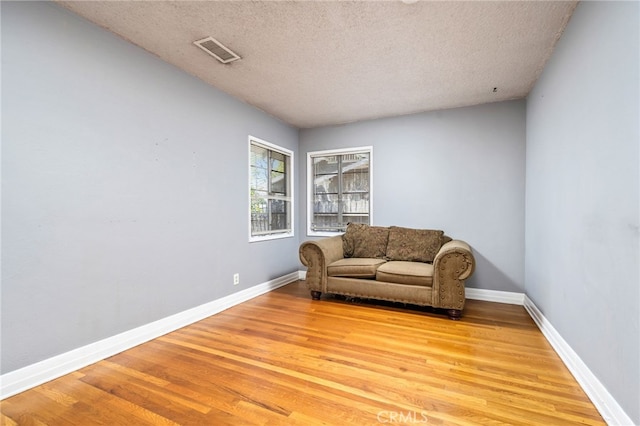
{"x": 236, "y": 279}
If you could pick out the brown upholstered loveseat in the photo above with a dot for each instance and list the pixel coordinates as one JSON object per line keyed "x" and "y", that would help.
{"x": 416, "y": 266}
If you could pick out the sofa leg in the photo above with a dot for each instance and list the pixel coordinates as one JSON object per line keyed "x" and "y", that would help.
{"x": 454, "y": 314}
{"x": 315, "y": 295}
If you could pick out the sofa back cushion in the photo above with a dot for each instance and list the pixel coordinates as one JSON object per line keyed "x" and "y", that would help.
{"x": 349, "y": 237}
{"x": 362, "y": 240}
{"x": 413, "y": 245}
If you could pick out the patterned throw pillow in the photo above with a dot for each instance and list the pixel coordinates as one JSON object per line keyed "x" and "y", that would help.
{"x": 414, "y": 245}
{"x": 371, "y": 242}
{"x": 348, "y": 238}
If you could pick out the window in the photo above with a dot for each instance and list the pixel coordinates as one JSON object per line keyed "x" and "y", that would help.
{"x": 270, "y": 191}
{"x": 339, "y": 189}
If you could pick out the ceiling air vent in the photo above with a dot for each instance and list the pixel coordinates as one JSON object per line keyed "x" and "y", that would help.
{"x": 216, "y": 49}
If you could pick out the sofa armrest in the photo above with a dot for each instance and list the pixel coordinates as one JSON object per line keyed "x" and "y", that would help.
{"x": 453, "y": 264}
{"x": 316, "y": 255}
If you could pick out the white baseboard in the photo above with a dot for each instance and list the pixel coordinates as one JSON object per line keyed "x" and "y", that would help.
{"x": 494, "y": 296}
{"x": 27, "y": 377}
{"x": 608, "y": 407}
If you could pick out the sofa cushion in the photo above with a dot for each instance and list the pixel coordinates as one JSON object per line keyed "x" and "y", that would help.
{"x": 371, "y": 242}
{"x": 348, "y": 238}
{"x": 402, "y": 272}
{"x": 362, "y": 240}
{"x": 354, "y": 267}
{"x": 413, "y": 245}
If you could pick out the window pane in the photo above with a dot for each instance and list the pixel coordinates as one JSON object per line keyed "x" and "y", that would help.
{"x": 259, "y": 202}
{"x": 359, "y": 158}
{"x": 327, "y": 223}
{"x": 354, "y": 219}
{"x": 259, "y": 212}
{"x": 259, "y": 170}
{"x": 356, "y": 203}
{"x": 270, "y": 189}
{"x": 278, "y": 162}
{"x": 341, "y": 190}
{"x": 259, "y": 179}
{"x": 278, "y": 183}
{"x": 356, "y": 181}
{"x": 259, "y": 156}
{"x": 278, "y": 206}
{"x": 325, "y": 203}
{"x": 326, "y": 184}
{"x": 325, "y": 165}
{"x": 279, "y": 214}
{"x": 355, "y": 169}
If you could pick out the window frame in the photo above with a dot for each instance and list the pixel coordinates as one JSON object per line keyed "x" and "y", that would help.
{"x": 310, "y": 184}
{"x": 289, "y": 197}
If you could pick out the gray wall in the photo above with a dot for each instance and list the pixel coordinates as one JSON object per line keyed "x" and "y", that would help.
{"x": 460, "y": 170}
{"x": 583, "y": 194}
{"x": 124, "y": 187}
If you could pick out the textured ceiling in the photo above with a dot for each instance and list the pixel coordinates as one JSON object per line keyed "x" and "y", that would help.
{"x": 319, "y": 63}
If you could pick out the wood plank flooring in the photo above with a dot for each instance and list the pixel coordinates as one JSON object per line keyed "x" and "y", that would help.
{"x": 283, "y": 359}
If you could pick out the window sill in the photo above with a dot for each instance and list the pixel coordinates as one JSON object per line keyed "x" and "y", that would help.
{"x": 323, "y": 233}
{"x": 271, "y": 237}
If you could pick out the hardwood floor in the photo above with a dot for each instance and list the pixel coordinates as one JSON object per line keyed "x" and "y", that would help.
{"x": 283, "y": 359}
